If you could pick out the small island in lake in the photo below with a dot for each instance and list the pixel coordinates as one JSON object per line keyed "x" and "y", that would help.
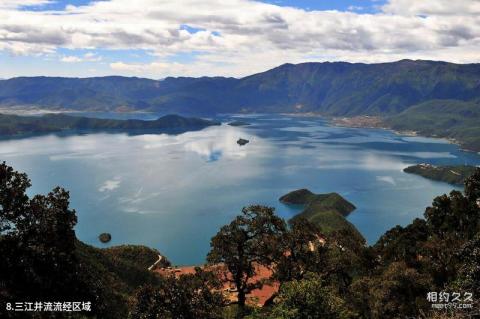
{"x": 105, "y": 237}
{"x": 449, "y": 174}
{"x": 239, "y": 123}
{"x": 242, "y": 141}
{"x": 328, "y": 211}
{"x": 11, "y": 125}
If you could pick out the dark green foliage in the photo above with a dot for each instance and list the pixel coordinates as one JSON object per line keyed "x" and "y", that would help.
{"x": 37, "y": 238}
{"x": 403, "y": 243}
{"x": 37, "y": 244}
{"x": 42, "y": 260}
{"x": 251, "y": 239}
{"x": 113, "y": 275}
{"x": 298, "y": 197}
{"x": 398, "y": 292}
{"x": 441, "y": 248}
{"x": 17, "y": 125}
{"x": 331, "y": 201}
{"x": 301, "y": 244}
{"x": 309, "y": 298}
{"x": 453, "y": 215}
{"x": 468, "y": 278}
{"x": 189, "y": 297}
{"x": 143, "y": 257}
{"x": 327, "y": 211}
{"x": 392, "y": 278}
{"x": 456, "y": 119}
{"x": 452, "y": 221}
{"x": 472, "y": 187}
{"x": 449, "y": 174}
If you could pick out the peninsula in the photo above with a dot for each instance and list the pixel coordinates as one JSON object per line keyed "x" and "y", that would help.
{"x": 12, "y": 125}
{"x": 455, "y": 174}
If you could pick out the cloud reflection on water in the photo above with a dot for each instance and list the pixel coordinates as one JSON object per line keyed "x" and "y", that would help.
{"x": 154, "y": 185}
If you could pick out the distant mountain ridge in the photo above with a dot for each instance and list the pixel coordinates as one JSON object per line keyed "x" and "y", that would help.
{"x": 337, "y": 88}
{"x": 405, "y": 93}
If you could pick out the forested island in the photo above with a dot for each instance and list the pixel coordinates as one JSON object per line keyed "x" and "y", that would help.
{"x": 314, "y": 273}
{"x": 327, "y": 211}
{"x": 242, "y": 141}
{"x": 456, "y": 174}
{"x": 105, "y": 237}
{"x": 13, "y": 125}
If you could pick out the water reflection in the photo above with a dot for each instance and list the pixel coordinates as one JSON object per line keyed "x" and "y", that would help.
{"x": 173, "y": 192}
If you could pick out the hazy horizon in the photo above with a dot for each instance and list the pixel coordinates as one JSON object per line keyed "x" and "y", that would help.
{"x": 221, "y": 76}
{"x": 86, "y": 38}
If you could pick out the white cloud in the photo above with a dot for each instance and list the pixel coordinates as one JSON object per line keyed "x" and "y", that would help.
{"x": 110, "y": 185}
{"x": 355, "y": 8}
{"x": 433, "y": 7}
{"x": 71, "y": 59}
{"x": 87, "y": 57}
{"x": 239, "y": 37}
{"x": 154, "y": 67}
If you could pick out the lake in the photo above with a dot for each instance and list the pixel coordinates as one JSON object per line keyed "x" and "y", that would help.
{"x": 173, "y": 192}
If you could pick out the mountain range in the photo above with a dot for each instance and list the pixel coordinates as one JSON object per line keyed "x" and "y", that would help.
{"x": 406, "y": 93}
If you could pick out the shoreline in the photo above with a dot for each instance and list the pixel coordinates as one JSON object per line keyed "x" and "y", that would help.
{"x": 359, "y": 121}
{"x": 377, "y": 122}
{"x": 32, "y": 111}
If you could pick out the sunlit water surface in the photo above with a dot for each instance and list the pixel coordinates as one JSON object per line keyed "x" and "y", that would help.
{"x": 173, "y": 192}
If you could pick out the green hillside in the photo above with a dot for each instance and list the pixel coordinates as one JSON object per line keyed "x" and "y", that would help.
{"x": 115, "y": 273}
{"x": 448, "y": 174}
{"x": 338, "y": 88}
{"x": 458, "y": 120}
{"x": 328, "y": 211}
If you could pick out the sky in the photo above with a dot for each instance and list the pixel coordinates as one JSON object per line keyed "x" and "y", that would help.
{"x": 158, "y": 38}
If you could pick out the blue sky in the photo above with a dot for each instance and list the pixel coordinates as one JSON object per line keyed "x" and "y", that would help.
{"x": 365, "y": 6}
{"x": 55, "y": 5}
{"x": 83, "y": 38}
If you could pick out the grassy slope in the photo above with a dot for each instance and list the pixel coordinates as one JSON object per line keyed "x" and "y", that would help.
{"x": 328, "y": 211}
{"x": 449, "y": 174}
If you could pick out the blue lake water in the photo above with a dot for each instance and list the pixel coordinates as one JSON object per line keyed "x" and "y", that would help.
{"x": 173, "y": 192}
